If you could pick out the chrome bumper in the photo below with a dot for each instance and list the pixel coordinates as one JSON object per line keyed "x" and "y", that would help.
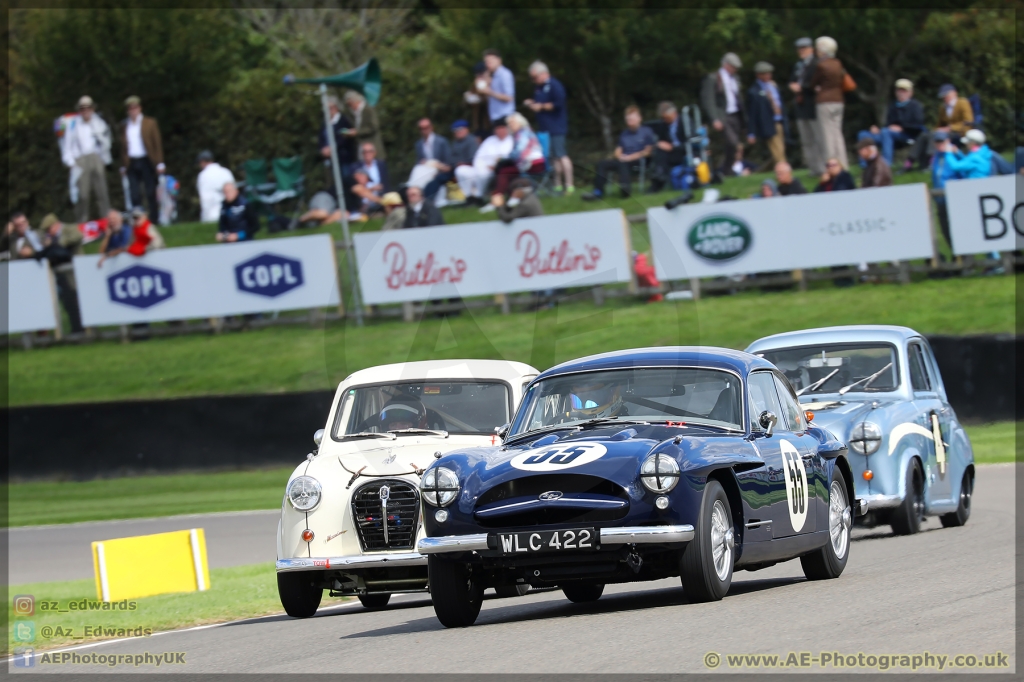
{"x": 609, "y": 536}
{"x": 881, "y": 501}
{"x": 396, "y": 560}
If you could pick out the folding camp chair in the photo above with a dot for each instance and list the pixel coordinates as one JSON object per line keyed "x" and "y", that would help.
{"x": 543, "y": 184}
{"x": 256, "y": 180}
{"x": 289, "y": 183}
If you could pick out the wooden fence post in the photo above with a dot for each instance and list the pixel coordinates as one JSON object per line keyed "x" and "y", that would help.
{"x": 695, "y": 287}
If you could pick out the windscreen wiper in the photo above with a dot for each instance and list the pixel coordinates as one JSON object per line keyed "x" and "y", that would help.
{"x": 866, "y": 380}
{"x": 443, "y": 434}
{"x": 598, "y": 421}
{"x": 818, "y": 383}
{"x": 370, "y": 434}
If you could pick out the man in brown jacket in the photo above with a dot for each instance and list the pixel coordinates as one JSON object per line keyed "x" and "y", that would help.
{"x": 955, "y": 114}
{"x": 877, "y": 172}
{"x": 367, "y": 126}
{"x": 827, "y": 82}
{"x": 142, "y": 153}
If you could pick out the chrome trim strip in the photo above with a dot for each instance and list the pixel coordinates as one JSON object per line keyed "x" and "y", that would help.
{"x": 881, "y": 501}
{"x": 452, "y": 543}
{"x": 563, "y": 502}
{"x": 642, "y": 534}
{"x": 382, "y": 560}
{"x": 755, "y": 524}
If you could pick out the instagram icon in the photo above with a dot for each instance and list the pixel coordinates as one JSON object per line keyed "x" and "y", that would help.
{"x": 24, "y": 605}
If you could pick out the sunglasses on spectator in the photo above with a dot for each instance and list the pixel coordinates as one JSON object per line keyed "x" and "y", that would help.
{"x": 831, "y": 164}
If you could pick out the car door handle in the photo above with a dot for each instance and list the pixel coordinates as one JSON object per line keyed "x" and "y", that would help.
{"x": 810, "y": 456}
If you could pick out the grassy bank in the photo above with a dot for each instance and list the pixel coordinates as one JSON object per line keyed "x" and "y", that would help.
{"x": 235, "y": 593}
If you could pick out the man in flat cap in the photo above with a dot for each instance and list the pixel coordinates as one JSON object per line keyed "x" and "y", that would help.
{"x": 142, "y": 153}
{"x": 904, "y": 125}
{"x": 722, "y": 102}
{"x": 86, "y": 150}
{"x": 805, "y": 109}
{"x": 766, "y": 119}
{"x": 876, "y": 171}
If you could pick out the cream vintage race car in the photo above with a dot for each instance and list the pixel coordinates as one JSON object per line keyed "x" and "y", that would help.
{"x": 350, "y": 517}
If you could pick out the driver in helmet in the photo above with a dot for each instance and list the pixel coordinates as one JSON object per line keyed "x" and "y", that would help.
{"x": 402, "y": 412}
{"x": 595, "y": 400}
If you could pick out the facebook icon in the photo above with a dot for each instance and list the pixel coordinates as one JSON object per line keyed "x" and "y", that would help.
{"x": 24, "y": 658}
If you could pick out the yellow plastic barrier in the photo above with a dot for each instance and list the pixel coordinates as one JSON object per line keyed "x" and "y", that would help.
{"x": 128, "y": 568}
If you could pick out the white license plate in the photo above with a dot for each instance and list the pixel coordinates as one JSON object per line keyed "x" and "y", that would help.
{"x": 544, "y": 541}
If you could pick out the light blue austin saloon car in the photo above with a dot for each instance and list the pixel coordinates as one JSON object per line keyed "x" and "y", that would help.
{"x": 878, "y": 389}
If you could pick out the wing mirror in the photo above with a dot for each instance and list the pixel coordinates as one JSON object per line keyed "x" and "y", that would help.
{"x": 502, "y": 431}
{"x": 767, "y": 421}
{"x": 318, "y": 436}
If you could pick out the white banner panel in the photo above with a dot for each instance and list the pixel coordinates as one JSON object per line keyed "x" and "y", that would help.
{"x": 790, "y": 233}
{"x": 986, "y": 214}
{"x": 31, "y": 298}
{"x": 477, "y": 259}
{"x": 209, "y": 281}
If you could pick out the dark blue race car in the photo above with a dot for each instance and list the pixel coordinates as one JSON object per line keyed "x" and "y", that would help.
{"x": 639, "y": 465}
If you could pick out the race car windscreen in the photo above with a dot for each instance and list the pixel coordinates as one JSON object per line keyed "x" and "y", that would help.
{"x": 465, "y": 407}
{"x": 828, "y": 368}
{"x": 651, "y": 394}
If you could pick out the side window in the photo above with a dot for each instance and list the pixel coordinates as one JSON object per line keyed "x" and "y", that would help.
{"x": 763, "y": 397}
{"x": 790, "y": 405}
{"x": 919, "y": 379}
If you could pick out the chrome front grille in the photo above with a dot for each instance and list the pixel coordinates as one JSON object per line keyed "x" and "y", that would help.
{"x": 386, "y": 521}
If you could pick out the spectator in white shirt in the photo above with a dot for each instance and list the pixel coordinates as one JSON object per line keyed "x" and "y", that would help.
{"x": 210, "y": 185}
{"x": 86, "y": 147}
{"x": 473, "y": 180}
{"x": 501, "y": 91}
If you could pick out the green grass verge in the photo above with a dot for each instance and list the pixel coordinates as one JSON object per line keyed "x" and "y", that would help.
{"x": 995, "y": 443}
{"x": 299, "y": 358}
{"x": 235, "y": 593}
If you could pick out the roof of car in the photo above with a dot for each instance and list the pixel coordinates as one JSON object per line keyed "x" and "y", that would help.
{"x": 664, "y": 356}
{"x": 851, "y": 333}
{"x": 503, "y": 370}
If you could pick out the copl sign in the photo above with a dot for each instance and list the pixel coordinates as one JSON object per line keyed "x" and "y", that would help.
{"x": 268, "y": 275}
{"x": 140, "y": 286}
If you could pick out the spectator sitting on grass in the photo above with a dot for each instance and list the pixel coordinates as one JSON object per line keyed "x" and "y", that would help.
{"x": 433, "y": 160}
{"x": 323, "y": 209}
{"x": 369, "y": 202}
{"x": 238, "y": 219}
{"x": 904, "y": 122}
{"x": 768, "y": 189}
{"x": 521, "y": 202}
{"x": 394, "y": 211}
{"x": 116, "y": 239}
{"x": 956, "y": 116}
{"x": 473, "y": 180}
{"x": 876, "y": 170}
{"x": 636, "y": 142}
{"x": 526, "y": 155}
{"x": 376, "y": 170}
{"x": 835, "y": 178}
{"x": 976, "y": 163}
{"x": 420, "y": 211}
{"x": 464, "y": 145}
{"x": 787, "y": 183}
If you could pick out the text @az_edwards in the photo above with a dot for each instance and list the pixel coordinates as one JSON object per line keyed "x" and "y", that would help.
{"x": 837, "y": 660}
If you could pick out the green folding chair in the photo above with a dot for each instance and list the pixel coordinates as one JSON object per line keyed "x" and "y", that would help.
{"x": 256, "y": 181}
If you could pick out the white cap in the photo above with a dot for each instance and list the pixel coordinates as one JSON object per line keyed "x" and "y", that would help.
{"x": 975, "y": 136}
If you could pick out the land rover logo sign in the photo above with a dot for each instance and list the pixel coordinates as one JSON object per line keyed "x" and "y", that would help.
{"x": 719, "y": 238}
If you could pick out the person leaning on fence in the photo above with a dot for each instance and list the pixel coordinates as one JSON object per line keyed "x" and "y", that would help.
{"x": 420, "y": 211}
{"x": 828, "y": 83}
{"x": 876, "y": 171}
{"x": 549, "y": 103}
{"x": 766, "y": 119}
{"x": 835, "y": 178}
{"x": 142, "y": 154}
{"x": 116, "y": 238}
{"x": 238, "y": 219}
{"x": 722, "y": 101}
{"x": 23, "y": 242}
{"x": 61, "y": 243}
{"x": 210, "y": 186}
{"x": 394, "y": 211}
{"x": 145, "y": 236}
{"x": 805, "y": 109}
{"x": 521, "y": 202}
{"x": 636, "y": 142}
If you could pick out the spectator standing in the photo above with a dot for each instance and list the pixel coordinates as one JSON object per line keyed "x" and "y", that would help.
{"x": 433, "y": 160}
{"x": 367, "y": 124}
{"x": 142, "y": 154}
{"x": 806, "y": 108}
{"x": 976, "y": 163}
{"x": 549, "y": 103}
{"x": 904, "y": 123}
{"x": 876, "y": 171}
{"x": 636, "y": 142}
{"x": 526, "y": 156}
{"x": 787, "y": 184}
{"x": 343, "y": 139}
{"x": 521, "y": 202}
{"x": 376, "y": 170}
{"x": 238, "y": 219}
{"x": 420, "y": 211}
{"x": 669, "y": 150}
{"x": 722, "y": 103}
{"x": 116, "y": 239}
{"x": 501, "y": 88}
{"x": 394, "y": 211}
{"x": 827, "y": 81}
{"x": 210, "y": 186}
{"x": 87, "y": 148}
{"x": 60, "y": 244}
{"x": 835, "y": 178}
{"x": 473, "y": 180}
{"x": 956, "y": 116}
{"x": 940, "y": 174}
{"x": 765, "y": 119}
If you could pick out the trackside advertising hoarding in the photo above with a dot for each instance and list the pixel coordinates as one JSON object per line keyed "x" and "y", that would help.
{"x": 208, "y": 281}
{"x": 31, "y": 298}
{"x": 478, "y": 259}
{"x": 986, "y": 214}
{"x": 790, "y": 233}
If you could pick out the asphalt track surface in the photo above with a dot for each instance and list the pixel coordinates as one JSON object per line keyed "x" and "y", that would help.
{"x": 944, "y": 591}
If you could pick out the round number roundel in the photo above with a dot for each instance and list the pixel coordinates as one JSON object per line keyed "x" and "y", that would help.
{"x": 796, "y": 484}
{"x": 559, "y": 456}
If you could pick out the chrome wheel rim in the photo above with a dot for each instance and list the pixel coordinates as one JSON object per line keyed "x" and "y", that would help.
{"x": 918, "y": 497}
{"x": 840, "y": 519}
{"x": 721, "y": 540}
{"x": 965, "y": 493}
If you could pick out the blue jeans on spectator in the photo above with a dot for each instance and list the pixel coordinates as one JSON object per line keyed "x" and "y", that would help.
{"x": 430, "y": 191}
{"x": 887, "y": 141}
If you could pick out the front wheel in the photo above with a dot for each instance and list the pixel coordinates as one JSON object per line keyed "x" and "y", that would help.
{"x": 829, "y": 561}
{"x": 300, "y": 596}
{"x": 963, "y": 510}
{"x": 580, "y": 594}
{"x": 456, "y": 594}
{"x": 706, "y": 566}
{"x": 906, "y": 518}
{"x": 375, "y": 601}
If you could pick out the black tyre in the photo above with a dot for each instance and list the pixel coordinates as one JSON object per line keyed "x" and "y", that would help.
{"x": 300, "y": 596}
{"x": 457, "y": 596}
{"x": 707, "y": 562}
{"x": 906, "y": 518}
{"x": 963, "y": 510}
{"x": 504, "y": 591}
{"x": 829, "y": 561}
{"x": 580, "y": 594}
{"x": 375, "y": 601}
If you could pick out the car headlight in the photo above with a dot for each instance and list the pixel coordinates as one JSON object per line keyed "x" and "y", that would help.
{"x": 440, "y": 486}
{"x": 866, "y": 438}
{"x": 659, "y": 473}
{"x": 304, "y": 492}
